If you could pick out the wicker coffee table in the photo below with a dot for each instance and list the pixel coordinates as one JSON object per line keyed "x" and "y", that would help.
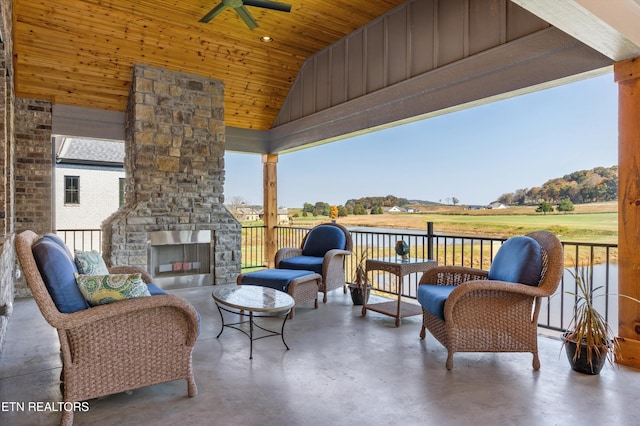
{"x": 398, "y": 267}
{"x": 265, "y": 301}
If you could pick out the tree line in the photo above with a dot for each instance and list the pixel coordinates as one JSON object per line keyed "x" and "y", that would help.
{"x": 584, "y": 186}
{"x": 360, "y": 206}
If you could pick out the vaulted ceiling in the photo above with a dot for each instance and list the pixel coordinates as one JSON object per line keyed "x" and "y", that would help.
{"x": 397, "y": 59}
{"x": 82, "y": 52}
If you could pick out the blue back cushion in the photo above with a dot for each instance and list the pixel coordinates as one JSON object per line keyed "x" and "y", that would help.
{"x": 519, "y": 260}
{"x": 274, "y": 278}
{"x": 306, "y": 263}
{"x": 323, "y": 238}
{"x": 57, "y": 270}
{"x": 56, "y": 239}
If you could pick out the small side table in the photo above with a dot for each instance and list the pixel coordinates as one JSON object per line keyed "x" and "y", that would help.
{"x": 399, "y": 267}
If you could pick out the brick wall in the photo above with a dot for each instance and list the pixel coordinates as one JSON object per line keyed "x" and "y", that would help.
{"x": 33, "y": 165}
{"x": 7, "y": 143}
{"x": 33, "y": 170}
{"x": 174, "y": 162}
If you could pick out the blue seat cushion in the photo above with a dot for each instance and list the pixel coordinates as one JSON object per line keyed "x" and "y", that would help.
{"x": 154, "y": 290}
{"x": 57, "y": 270}
{"x": 306, "y": 263}
{"x": 432, "y": 298}
{"x": 519, "y": 260}
{"x": 323, "y": 238}
{"x": 274, "y": 278}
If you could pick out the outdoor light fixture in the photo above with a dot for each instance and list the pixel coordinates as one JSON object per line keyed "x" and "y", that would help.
{"x": 266, "y": 39}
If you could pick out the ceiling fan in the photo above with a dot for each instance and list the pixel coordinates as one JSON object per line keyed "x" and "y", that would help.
{"x": 240, "y": 7}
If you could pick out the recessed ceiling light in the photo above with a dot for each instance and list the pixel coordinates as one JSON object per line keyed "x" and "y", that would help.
{"x": 266, "y": 39}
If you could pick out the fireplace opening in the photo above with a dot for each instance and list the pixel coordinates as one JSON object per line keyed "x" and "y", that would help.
{"x": 178, "y": 259}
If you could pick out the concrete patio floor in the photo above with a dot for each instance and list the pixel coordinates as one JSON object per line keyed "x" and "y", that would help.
{"x": 342, "y": 369}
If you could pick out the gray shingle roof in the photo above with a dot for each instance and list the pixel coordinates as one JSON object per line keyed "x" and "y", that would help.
{"x": 91, "y": 151}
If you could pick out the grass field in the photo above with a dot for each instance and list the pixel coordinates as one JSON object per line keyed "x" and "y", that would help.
{"x": 594, "y": 223}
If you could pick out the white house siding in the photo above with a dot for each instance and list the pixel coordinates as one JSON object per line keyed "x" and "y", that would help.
{"x": 99, "y": 196}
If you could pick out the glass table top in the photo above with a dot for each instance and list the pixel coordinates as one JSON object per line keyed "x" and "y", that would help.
{"x": 253, "y": 298}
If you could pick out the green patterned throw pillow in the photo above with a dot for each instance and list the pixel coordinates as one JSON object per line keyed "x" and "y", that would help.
{"x": 90, "y": 263}
{"x": 102, "y": 289}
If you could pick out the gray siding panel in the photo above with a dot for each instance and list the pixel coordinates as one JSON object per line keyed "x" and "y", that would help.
{"x": 323, "y": 80}
{"x": 415, "y": 38}
{"x": 309, "y": 83}
{"x": 338, "y": 73}
{"x": 538, "y": 60}
{"x": 397, "y": 45}
{"x": 451, "y": 31}
{"x": 355, "y": 65}
{"x": 422, "y": 30}
{"x": 521, "y": 22}
{"x": 375, "y": 56}
{"x": 486, "y": 25}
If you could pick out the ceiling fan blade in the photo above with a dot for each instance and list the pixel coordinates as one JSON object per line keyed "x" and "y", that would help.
{"x": 273, "y": 5}
{"x": 243, "y": 13}
{"x": 213, "y": 13}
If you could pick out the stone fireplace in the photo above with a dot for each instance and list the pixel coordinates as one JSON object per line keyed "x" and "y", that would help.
{"x": 174, "y": 161}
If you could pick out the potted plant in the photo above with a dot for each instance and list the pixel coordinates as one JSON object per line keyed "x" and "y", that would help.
{"x": 360, "y": 287}
{"x": 589, "y": 341}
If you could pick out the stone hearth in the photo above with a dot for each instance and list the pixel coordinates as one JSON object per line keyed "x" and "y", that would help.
{"x": 174, "y": 170}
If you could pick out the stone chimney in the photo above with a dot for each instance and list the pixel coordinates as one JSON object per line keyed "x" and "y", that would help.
{"x": 174, "y": 161}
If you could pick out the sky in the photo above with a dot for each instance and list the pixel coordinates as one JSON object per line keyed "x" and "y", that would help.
{"x": 474, "y": 155}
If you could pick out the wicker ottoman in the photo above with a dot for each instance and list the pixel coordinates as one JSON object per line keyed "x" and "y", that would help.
{"x": 301, "y": 285}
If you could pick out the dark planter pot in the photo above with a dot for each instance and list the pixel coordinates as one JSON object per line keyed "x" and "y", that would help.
{"x": 581, "y": 364}
{"x": 357, "y": 294}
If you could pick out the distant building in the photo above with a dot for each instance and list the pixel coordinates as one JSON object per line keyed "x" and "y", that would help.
{"x": 395, "y": 209}
{"x": 496, "y": 206}
{"x": 89, "y": 181}
{"x": 247, "y": 214}
{"x": 283, "y": 216}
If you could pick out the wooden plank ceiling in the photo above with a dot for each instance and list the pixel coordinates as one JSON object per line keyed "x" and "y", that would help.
{"x": 82, "y": 52}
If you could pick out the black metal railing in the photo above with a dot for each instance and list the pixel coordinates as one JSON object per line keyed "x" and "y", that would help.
{"x": 252, "y": 247}
{"x": 478, "y": 252}
{"x": 455, "y": 250}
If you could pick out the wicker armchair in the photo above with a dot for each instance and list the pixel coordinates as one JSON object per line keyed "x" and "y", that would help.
{"x": 119, "y": 346}
{"x": 484, "y": 315}
{"x": 323, "y": 251}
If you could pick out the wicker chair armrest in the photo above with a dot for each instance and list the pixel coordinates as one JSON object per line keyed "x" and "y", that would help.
{"x": 103, "y": 312}
{"x": 333, "y": 264}
{"x": 469, "y": 288}
{"x": 328, "y": 256}
{"x": 285, "y": 253}
{"x": 146, "y": 277}
{"x": 452, "y": 275}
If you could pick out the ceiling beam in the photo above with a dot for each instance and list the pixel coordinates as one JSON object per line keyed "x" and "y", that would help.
{"x": 246, "y": 140}
{"x": 94, "y": 123}
{"x": 610, "y": 27}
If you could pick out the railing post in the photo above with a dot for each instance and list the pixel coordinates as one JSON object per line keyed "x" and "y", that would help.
{"x": 430, "y": 240}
